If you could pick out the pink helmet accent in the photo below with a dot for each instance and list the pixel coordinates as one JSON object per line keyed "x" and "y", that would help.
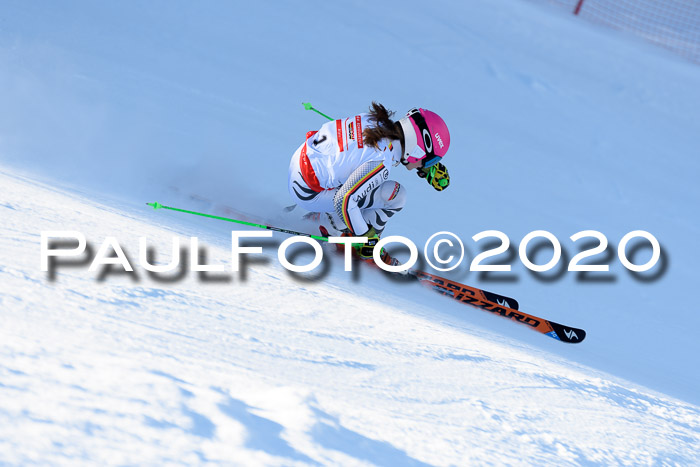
{"x": 436, "y": 141}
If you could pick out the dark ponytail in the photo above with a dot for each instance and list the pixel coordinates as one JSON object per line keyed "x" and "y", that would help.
{"x": 385, "y": 127}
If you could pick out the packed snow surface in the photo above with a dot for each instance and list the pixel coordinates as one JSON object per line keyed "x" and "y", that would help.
{"x": 555, "y": 125}
{"x": 267, "y": 369}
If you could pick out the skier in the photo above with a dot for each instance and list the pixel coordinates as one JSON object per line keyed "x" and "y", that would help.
{"x": 343, "y": 168}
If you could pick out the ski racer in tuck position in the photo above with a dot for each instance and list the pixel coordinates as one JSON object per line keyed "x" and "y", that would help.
{"x": 343, "y": 168}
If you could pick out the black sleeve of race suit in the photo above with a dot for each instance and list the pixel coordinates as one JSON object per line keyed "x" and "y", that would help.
{"x": 358, "y": 193}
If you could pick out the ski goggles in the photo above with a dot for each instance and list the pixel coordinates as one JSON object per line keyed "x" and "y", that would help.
{"x": 427, "y": 156}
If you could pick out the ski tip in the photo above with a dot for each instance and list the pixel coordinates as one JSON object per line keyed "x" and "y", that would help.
{"x": 155, "y": 205}
{"x": 307, "y": 105}
{"x": 567, "y": 334}
{"x": 502, "y": 300}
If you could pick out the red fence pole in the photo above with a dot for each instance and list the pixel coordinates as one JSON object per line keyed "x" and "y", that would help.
{"x": 578, "y": 7}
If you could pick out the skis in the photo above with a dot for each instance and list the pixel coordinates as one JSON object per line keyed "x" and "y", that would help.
{"x": 501, "y": 305}
{"x": 489, "y": 301}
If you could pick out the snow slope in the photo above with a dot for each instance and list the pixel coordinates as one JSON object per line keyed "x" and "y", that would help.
{"x": 555, "y": 125}
{"x": 269, "y": 370}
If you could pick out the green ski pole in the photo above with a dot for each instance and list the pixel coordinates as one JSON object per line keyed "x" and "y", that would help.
{"x": 157, "y": 205}
{"x": 308, "y": 106}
